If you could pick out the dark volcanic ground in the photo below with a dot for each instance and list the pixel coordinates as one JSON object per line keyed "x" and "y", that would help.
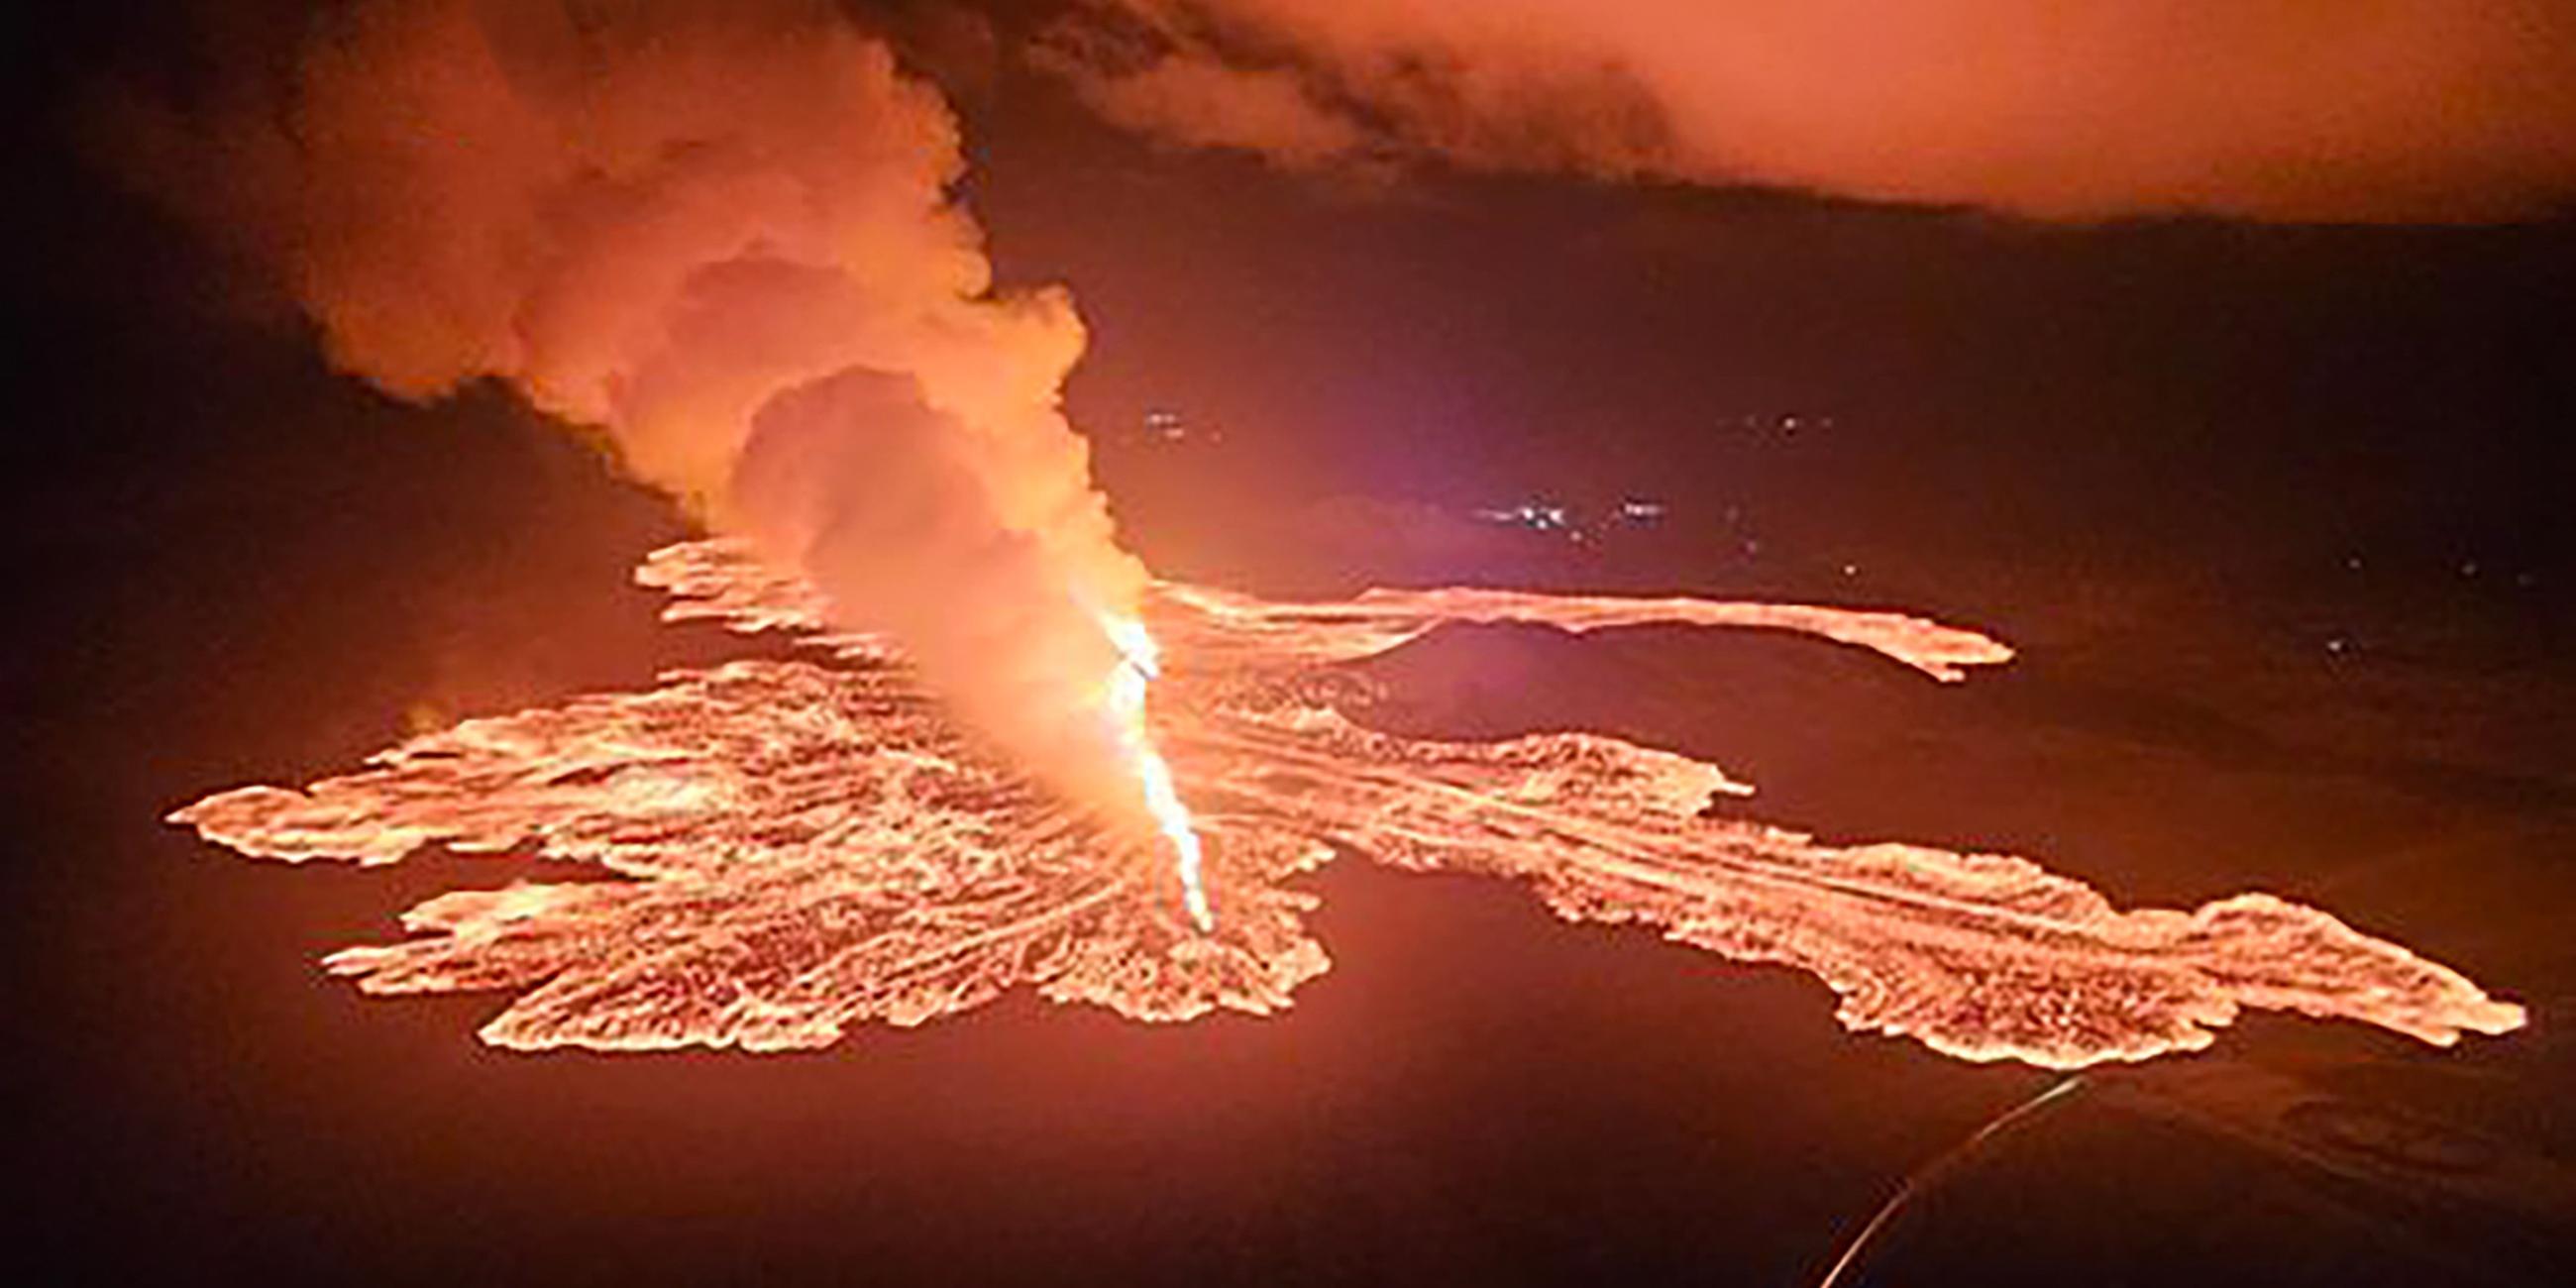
{"x": 1476, "y": 1094}
{"x": 230, "y": 566}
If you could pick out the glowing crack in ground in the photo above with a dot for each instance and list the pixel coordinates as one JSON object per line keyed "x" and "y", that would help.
{"x": 810, "y": 845}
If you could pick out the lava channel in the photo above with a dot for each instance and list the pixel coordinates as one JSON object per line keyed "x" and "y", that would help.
{"x": 808, "y": 845}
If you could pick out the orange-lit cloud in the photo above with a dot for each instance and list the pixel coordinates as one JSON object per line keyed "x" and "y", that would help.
{"x": 2370, "y": 110}
{"x": 721, "y": 235}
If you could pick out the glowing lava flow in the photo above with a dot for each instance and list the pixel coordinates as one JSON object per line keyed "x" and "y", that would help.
{"x": 1139, "y": 663}
{"x": 811, "y": 845}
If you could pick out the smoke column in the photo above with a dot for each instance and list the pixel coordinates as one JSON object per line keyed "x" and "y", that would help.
{"x": 720, "y": 235}
{"x": 2403, "y": 110}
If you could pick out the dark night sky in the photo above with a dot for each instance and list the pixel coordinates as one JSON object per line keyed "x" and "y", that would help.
{"x": 2277, "y": 512}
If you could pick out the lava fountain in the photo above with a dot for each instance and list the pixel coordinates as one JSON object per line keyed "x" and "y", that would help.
{"x": 806, "y": 845}
{"x": 1139, "y": 663}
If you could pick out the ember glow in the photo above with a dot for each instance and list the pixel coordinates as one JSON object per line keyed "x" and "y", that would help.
{"x": 807, "y": 845}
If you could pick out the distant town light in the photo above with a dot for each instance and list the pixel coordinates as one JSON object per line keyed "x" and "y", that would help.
{"x": 1577, "y": 523}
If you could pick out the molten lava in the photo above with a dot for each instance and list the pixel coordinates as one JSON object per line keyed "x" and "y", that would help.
{"x": 809, "y": 845}
{"x": 1139, "y": 663}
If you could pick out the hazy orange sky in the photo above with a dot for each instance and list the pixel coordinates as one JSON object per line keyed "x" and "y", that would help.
{"x": 2365, "y": 110}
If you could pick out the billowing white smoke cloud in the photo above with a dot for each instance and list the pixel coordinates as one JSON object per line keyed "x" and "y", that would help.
{"x": 720, "y": 234}
{"x": 2310, "y": 110}
{"x": 889, "y": 505}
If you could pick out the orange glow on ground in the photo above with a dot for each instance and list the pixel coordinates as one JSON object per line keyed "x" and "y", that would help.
{"x": 810, "y": 845}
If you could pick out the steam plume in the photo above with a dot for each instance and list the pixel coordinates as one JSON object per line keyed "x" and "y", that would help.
{"x": 720, "y": 234}
{"x": 2388, "y": 110}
